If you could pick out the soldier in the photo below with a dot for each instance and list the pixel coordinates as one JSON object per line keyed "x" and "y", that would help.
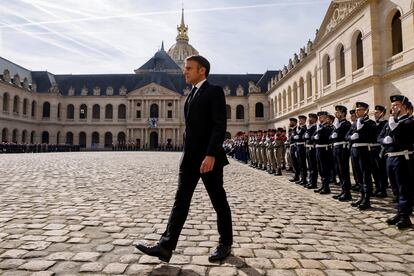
{"x": 311, "y": 151}
{"x": 398, "y": 143}
{"x": 341, "y": 152}
{"x": 258, "y": 149}
{"x": 379, "y": 172}
{"x": 292, "y": 145}
{"x": 271, "y": 151}
{"x": 286, "y": 151}
{"x": 323, "y": 151}
{"x": 263, "y": 151}
{"x": 363, "y": 135}
{"x": 355, "y": 171}
{"x": 279, "y": 150}
{"x": 252, "y": 148}
{"x": 334, "y": 169}
{"x": 301, "y": 150}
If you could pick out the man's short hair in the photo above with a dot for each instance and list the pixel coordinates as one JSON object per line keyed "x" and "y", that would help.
{"x": 202, "y": 61}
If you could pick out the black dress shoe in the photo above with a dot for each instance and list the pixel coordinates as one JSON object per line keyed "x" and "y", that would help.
{"x": 156, "y": 251}
{"x": 404, "y": 223}
{"x": 338, "y": 195}
{"x": 356, "y": 188}
{"x": 381, "y": 194}
{"x": 294, "y": 179}
{"x": 318, "y": 190}
{"x": 393, "y": 220}
{"x": 365, "y": 204}
{"x": 345, "y": 197}
{"x": 356, "y": 203}
{"x": 312, "y": 186}
{"x": 220, "y": 253}
{"x": 325, "y": 191}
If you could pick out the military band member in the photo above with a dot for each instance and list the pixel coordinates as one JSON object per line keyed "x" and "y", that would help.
{"x": 323, "y": 151}
{"x": 299, "y": 138}
{"x": 379, "y": 172}
{"x": 362, "y": 137}
{"x": 292, "y": 146}
{"x": 341, "y": 152}
{"x": 398, "y": 143}
{"x": 311, "y": 151}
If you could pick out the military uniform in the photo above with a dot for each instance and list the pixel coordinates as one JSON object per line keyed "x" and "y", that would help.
{"x": 311, "y": 154}
{"x": 299, "y": 138}
{"x": 379, "y": 172}
{"x": 279, "y": 150}
{"x": 398, "y": 143}
{"x": 258, "y": 150}
{"x": 341, "y": 154}
{"x": 363, "y": 136}
{"x": 271, "y": 151}
{"x": 292, "y": 149}
{"x": 263, "y": 151}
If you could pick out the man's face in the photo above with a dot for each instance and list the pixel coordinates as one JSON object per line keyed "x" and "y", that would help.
{"x": 360, "y": 112}
{"x": 378, "y": 114}
{"x": 353, "y": 117}
{"x": 193, "y": 72}
{"x": 397, "y": 107}
{"x": 322, "y": 119}
{"x": 292, "y": 123}
{"x": 339, "y": 114}
{"x": 302, "y": 121}
{"x": 312, "y": 120}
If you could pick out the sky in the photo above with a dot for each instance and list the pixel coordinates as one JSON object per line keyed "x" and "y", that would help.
{"x": 118, "y": 36}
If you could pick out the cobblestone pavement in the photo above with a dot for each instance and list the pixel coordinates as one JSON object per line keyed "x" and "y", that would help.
{"x": 80, "y": 213}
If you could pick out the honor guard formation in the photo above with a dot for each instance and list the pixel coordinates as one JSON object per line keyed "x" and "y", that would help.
{"x": 378, "y": 153}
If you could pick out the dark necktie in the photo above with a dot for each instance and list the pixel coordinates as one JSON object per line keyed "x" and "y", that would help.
{"x": 190, "y": 97}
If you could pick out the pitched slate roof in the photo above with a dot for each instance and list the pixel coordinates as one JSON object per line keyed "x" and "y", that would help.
{"x": 14, "y": 69}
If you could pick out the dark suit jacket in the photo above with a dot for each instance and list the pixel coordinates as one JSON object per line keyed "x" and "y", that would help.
{"x": 205, "y": 126}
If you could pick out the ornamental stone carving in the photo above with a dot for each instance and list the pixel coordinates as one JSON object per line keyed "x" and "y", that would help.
{"x": 122, "y": 91}
{"x": 302, "y": 53}
{"x": 342, "y": 11}
{"x": 280, "y": 75}
{"x": 290, "y": 65}
{"x": 240, "y": 90}
{"x": 34, "y": 87}
{"x": 6, "y": 76}
{"x": 71, "y": 91}
{"x": 54, "y": 89}
{"x": 253, "y": 88}
{"x": 309, "y": 46}
{"x": 227, "y": 90}
{"x": 26, "y": 84}
{"x": 295, "y": 59}
{"x": 96, "y": 91}
{"x": 285, "y": 70}
{"x": 16, "y": 80}
{"x": 84, "y": 91}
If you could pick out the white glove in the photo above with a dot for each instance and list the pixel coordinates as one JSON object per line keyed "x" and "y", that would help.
{"x": 359, "y": 125}
{"x": 354, "y": 136}
{"x": 316, "y": 137}
{"x": 334, "y": 135}
{"x": 391, "y": 123}
{"x": 388, "y": 140}
{"x": 307, "y": 136}
{"x": 336, "y": 123}
{"x": 318, "y": 127}
{"x": 296, "y": 137}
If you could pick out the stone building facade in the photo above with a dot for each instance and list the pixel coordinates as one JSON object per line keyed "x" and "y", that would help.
{"x": 363, "y": 51}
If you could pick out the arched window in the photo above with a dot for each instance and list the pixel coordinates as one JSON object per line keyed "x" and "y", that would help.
{"x": 301, "y": 90}
{"x": 289, "y": 97}
{"x": 15, "y": 134}
{"x": 108, "y": 139}
{"x": 25, "y": 106}
{"x": 228, "y": 112}
{"x": 59, "y": 110}
{"x": 309, "y": 85}
{"x": 83, "y": 111}
{"x": 58, "y": 138}
{"x": 276, "y": 105}
{"x": 46, "y": 110}
{"x": 108, "y": 111}
{"x": 121, "y": 137}
{"x": 82, "y": 139}
{"x": 45, "y": 137}
{"x": 70, "y": 112}
{"x": 326, "y": 67}
{"x": 359, "y": 52}
{"x": 6, "y": 100}
{"x": 69, "y": 138}
{"x": 96, "y": 112}
{"x": 295, "y": 93}
{"x": 284, "y": 100}
{"x": 259, "y": 112}
{"x": 340, "y": 62}
{"x": 121, "y": 111}
{"x": 396, "y": 31}
{"x": 24, "y": 136}
{"x": 280, "y": 102}
{"x": 32, "y": 137}
{"x": 34, "y": 107}
{"x": 16, "y": 106}
{"x": 95, "y": 139}
{"x": 154, "y": 111}
{"x": 240, "y": 112}
{"x": 5, "y": 135}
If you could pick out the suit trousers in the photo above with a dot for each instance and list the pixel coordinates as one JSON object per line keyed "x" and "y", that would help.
{"x": 188, "y": 178}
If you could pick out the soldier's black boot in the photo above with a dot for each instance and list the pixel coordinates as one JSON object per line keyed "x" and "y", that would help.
{"x": 393, "y": 220}
{"x": 325, "y": 190}
{"x": 318, "y": 190}
{"x": 294, "y": 179}
{"x": 365, "y": 204}
{"x": 279, "y": 172}
{"x": 404, "y": 223}
{"x": 345, "y": 197}
{"x": 338, "y": 195}
{"x": 356, "y": 188}
{"x": 358, "y": 202}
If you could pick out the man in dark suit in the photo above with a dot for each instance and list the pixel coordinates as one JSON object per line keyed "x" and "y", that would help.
{"x": 205, "y": 120}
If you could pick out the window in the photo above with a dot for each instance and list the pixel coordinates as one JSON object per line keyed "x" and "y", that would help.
{"x": 46, "y": 110}
{"x": 83, "y": 111}
{"x": 397, "y": 41}
{"x": 259, "y": 112}
{"x": 228, "y": 112}
{"x": 138, "y": 114}
{"x": 169, "y": 114}
{"x": 154, "y": 112}
{"x": 69, "y": 138}
{"x": 309, "y": 85}
{"x": 70, "y": 112}
{"x": 240, "y": 112}
{"x": 34, "y": 107}
{"x": 326, "y": 70}
{"x": 16, "y": 101}
{"x": 6, "y": 99}
{"x": 340, "y": 62}
{"x": 45, "y": 137}
{"x": 58, "y": 110}
{"x": 108, "y": 111}
{"x": 25, "y": 106}
{"x": 359, "y": 52}
{"x": 96, "y": 112}
{"x": 121, "y": 111}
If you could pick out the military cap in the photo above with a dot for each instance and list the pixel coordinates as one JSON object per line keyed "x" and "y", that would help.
{"x": 331, "y": 117}
{"x": 380, "y": 108}
{"x": 352, "y": 111}
{"x": 399, "y": 98}
{"x": 341, "y": 108}
{"x": 409, "y": 105}
{"x": 362, "y": 105}
{"x": 320, "y": 113}
{"x": 293, "y": 120}
{"x": 259, "y": 131}
{"x": 302, "y": 117}
{"x": 312, "y": 115}
{"x": 280, "y": 129}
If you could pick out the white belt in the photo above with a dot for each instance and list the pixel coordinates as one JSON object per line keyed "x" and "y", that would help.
{"x": 323, "y": 146}
{"x": 300, "y": 143}
{"x": 310, "y": 146}
{"x": 340, "y": 143}
{"x": 359, "y": 145}
{"x": 374, "y": 145}
{"x": 405, "y": 153}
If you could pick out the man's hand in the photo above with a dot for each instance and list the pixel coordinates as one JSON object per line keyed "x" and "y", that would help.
{"x": 208, "y": 164}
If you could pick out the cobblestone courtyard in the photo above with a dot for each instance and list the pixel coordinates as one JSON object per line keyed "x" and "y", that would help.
{"x": 80, "y": 213}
